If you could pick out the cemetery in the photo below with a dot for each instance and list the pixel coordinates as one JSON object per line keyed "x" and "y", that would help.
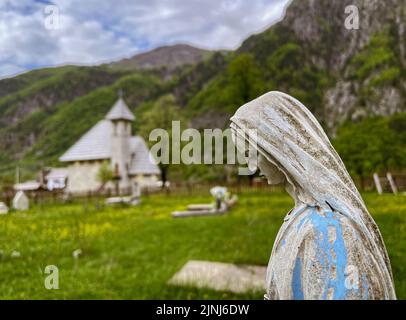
{"x": 133, "y": 252}
{"x": 132, "y": 245}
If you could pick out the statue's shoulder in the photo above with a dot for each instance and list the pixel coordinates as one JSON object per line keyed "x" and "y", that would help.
{"x": 307, "y": 217}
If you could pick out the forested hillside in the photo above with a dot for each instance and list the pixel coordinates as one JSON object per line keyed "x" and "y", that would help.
{"x": 344, "y": 77}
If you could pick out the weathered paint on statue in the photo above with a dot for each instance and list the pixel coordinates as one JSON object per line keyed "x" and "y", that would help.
{"x": 328, "y": 247}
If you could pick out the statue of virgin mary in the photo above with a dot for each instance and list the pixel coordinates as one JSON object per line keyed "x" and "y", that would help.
{"x": 328, "y": 247}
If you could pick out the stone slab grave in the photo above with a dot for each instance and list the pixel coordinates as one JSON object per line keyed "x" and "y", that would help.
{"x": 221, "y": 276}
{"x": 200, "y": 210}
{"x": 223, "y": 202}
{"x": 122, "y": 200}
{"x": 133, "y": 200}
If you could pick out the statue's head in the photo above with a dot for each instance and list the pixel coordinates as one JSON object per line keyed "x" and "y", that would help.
{"x": 257, "y": 160}
{"x": 293, "y": 149}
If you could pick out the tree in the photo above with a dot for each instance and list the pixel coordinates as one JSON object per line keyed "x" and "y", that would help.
{"x": 160, "y": 115}
{"x": 245, "y": 79}
{"x": 245, "y": 82}
{"x": 104, "y": 175}
{"x": 288, "y": 73}
{"x": 375, "y": 144}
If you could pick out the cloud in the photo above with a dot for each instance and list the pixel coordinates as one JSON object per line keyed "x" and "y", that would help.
{"x": 94, "y": 31}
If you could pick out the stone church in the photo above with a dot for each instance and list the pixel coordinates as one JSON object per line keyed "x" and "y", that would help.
{"x": 110, "y": 140}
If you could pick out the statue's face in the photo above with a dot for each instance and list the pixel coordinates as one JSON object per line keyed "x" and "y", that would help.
{"x": 257, "y": 160}
{"x": 270, "y": 171}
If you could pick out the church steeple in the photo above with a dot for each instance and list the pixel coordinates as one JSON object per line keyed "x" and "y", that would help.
{"x": 121, "y": 118}
{"x": 120, "y": 110}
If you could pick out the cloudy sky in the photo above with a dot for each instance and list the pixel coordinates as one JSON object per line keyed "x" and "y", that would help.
{"x": 38, "y": 33}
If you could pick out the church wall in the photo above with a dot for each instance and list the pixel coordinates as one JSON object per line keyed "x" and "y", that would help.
{"x": 82, "y": 176}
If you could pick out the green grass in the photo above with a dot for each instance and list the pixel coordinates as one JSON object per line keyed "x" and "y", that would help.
{"x": 130, "y": 253}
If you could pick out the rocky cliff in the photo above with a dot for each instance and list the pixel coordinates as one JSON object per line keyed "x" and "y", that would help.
{"x": 368, "y": 64}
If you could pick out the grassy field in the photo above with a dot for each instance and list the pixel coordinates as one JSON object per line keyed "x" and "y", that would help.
{"x": 130, "y": 253}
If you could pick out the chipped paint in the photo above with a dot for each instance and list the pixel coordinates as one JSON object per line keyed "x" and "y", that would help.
{"x": 334, "y": 254}
{"x": 297, "y": 280}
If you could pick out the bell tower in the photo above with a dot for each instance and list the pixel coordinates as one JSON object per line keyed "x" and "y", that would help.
{"x": 121, "y": 118}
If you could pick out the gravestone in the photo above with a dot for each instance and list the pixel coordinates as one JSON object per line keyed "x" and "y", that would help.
{"x": 223, "y": 202}
{"x": 3, "y": 208}
{"x": 136, "y": 193}
{"x": 219, "y": 193}
{"x": 136, "y": 190}
{"x": 20, "y": 201}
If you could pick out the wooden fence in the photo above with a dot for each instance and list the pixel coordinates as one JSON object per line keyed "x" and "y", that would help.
{"x": 184, "y": 189}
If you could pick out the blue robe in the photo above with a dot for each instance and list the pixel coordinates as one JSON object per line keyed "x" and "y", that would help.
{"x": 321, "y": 254}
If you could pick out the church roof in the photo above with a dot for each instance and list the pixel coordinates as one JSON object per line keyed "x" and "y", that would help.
{"x": 142, "y": 162}
{"x": 120, "y": 111}
{"x": 93, "y": 145}
{"x": 96, "y": 145}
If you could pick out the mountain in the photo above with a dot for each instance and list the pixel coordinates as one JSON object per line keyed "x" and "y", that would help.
{"x": 341, "y": 75}
{"x": 170, "y": 57}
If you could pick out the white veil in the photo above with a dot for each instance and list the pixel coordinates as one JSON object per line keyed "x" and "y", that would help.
{"x": 291, "y": 138}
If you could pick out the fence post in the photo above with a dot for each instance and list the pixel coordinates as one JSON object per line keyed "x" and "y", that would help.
{"x": 392, "y": 183}
{"x": 377, "y": 183}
